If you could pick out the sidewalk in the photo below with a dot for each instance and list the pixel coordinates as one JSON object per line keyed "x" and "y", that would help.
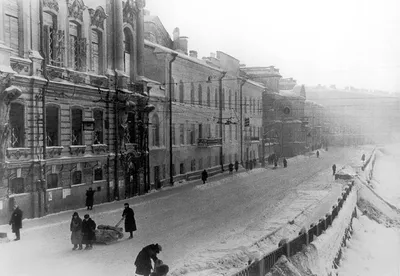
{"x": 117, "y": 206}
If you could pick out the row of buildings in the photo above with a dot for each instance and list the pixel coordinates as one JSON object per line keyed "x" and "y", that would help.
{"x": 103, "y": 97}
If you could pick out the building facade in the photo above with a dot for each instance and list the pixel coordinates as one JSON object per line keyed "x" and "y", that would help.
{"x": 82, "y": 118}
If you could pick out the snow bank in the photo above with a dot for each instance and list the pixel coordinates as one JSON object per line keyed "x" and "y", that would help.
{"x": 317, "y": 258}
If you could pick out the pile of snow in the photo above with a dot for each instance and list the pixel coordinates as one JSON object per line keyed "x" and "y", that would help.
{"x": 373, "y": 250}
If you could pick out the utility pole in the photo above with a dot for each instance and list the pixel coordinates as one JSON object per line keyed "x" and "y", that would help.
{"x": 242, "y": 82}
{"x": 221, "y": 98}
{"x": 170, "y": 84}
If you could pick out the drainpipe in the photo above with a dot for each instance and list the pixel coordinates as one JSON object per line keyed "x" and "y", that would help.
{"x": 171, "y": 177}
{"x": 242, "y": 82}
{"x": 221, "y": 151}
{"x": 108, "y": 143}
{"x": 116, "y": 143}
{"x": 42, "y": 163}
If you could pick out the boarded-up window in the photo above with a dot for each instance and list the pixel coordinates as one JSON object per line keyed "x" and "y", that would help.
{"x": 17, "y": 117}
{"x": 52, "y": 181}
{"x": 17, "y": 185}
{"x": 98, "y": 127}
{"x": 11, "y": 25}
{"x": 52, "y": 125}
{"x": 98, "y": 174}
{"x": 50, "y": 33}
{"x": 96, "y": 51}
{"x": 77, "y": 177}
{"x": 76, "y": 122}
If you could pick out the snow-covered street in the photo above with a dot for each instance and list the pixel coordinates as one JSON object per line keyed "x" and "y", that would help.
{"x": 191, "y": 222}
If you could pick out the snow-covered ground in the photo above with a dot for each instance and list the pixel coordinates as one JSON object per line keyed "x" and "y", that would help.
{"x": 204, "y": 229}
{"x": 374, "y": 248}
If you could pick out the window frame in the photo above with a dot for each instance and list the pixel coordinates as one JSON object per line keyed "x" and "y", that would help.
{"x": 21, "y": 134}
{"x": 58, "y": 107}
{"x": 82, "y": 140}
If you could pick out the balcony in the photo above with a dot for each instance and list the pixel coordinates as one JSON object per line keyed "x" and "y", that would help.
{"x": 209, "y": 142}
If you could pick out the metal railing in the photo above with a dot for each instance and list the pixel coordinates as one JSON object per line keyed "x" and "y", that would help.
{"x": 263, "y": 266}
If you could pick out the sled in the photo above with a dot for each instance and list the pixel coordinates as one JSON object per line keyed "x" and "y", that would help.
{"x": 106, "y": 234}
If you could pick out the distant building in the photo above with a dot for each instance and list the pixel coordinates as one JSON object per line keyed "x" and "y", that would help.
{"x": 287, "y": 84}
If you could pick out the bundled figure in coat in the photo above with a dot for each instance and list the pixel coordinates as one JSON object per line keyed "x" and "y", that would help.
{"x": 130, "y": 223}
{"x": 76, "y": 231}
{"x": 16, "y": 222}
{"x": 284, "y": 162}
{"x": 230, "y": 168}
{"x": 88, "y": 228}
{"x": 317, "y": 153}
{"x": 204, "y": 176}
{"x": 89, "y": 198}
{"x": 143, "y": 259}
{"x": 334, "y": 169}
{"x": 236, "y": 165}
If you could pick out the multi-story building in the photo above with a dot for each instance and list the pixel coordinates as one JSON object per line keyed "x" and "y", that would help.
{"x": 82, "y": 118}
{"x": 287, "y": 83}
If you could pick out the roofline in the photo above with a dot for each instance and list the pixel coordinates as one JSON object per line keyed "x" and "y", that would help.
{"x": 182, "y": 56}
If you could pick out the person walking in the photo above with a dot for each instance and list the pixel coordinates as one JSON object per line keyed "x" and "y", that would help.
{"x": 236, "y": 165}
{"x": 317, "y": 153}
{"x": 363, "y": 157}
{"x": 76, "y": 229}
{"x": 204, "y": 176}
{"x": 130, "y": 223}
{"x": 143, "y": 259}
{"x": 284, "y": 162}
{"x": 230, "y": 168}
{"x": 88, "y": 228}
{"x": 16, "y": 222}
{"x": 89, "y": 199}
{"x": 334, "y": 169}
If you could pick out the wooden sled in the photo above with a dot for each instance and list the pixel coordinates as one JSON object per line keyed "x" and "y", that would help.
{"x": 106, "y": 234}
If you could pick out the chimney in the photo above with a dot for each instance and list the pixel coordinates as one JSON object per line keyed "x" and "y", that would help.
{"x": 176, "y": 34}
{"x": 193, "y": 54}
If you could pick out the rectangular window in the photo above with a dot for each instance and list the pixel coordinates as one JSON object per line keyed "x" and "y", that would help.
{"x": 182, "y": 168}
{"x": 193, "y": 135}
{"x": 52, "y": 125}
{"x": 182, "y": 134}
{"x": 76, "y": 121}
{"x": 173, "y": 134}
{"x": 98, "y": 127}
{"x": 230, "y": 132}
{"x": 52, "y": 181}
{"x": 73, "y": 45}
{"x": 17, "y": 125}
{"x": 200, "y": 131}
{"x": 77, "y": 177}
{"x": 200, "y": 163}
{"x": 193, "y": 165}
{"x": 11, "y": 32}
{"x": 17, "y": 185}
{"x": 98, "y": 174}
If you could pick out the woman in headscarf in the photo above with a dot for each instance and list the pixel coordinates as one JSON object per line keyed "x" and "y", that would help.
{"x": 76, "y": 229}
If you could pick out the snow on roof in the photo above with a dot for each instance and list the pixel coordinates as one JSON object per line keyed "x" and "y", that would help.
{"x": 289, "y": 93}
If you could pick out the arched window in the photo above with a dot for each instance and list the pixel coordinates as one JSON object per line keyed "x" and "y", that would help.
{"x": 192, "y": 93}
{"x": 208, "y": 97}
{"x": 52, "y": 125}
{"x": 76, "y": 126}
{"x": 200, "y": 94}
{"x": 155, "y": 130}
{"x": 127, "y": 50}
{"x": 96, "y": 60}
{"x": 230, "y": 99}
{"x": 98, "y": 132}
{"x": 181, "y": 92}
{"x": 216, "y": 98}
{"x": 17, "y": 124}
{"x": 11, "y": 22}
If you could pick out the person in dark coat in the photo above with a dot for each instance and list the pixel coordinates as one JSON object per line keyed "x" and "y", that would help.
{"x": 334, "y": 169}
{"x": 236, "y": 165}
{"x": 16, "y": 222}
{"x": 130, "y": 223}
{"x": 143, "y": 259}
{"x": 89, "y": 198}
{"x": 363, "y": 157}
{"x": 317, "y": 153}
{"x": 230, "y": 168}
{"x": 204, "y": 176}
{"x": 284, "y": 162}
{"x": 76, "y": 229}
{"x": 88, "y": 227}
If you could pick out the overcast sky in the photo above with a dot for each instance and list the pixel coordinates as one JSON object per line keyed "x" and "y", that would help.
{"x": 342, "y": 42}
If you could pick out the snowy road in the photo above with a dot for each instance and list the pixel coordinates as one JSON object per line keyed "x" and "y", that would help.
{"x": 184, "y": 220}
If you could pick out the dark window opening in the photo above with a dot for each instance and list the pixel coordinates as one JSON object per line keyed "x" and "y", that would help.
{"x": 98, "y": 127}
{"x": 52, "y": 181}
{"x": 17, "y": 125}
{"x": 17, "y": 185}
{"x": 77, "y": 177}
{"x": 76, "y": 121}
{"x": 52, "y": 125}
{"x": 98, "y": 174}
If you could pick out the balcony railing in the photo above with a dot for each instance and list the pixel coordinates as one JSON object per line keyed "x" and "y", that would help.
{"x": 209, "y": 142}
